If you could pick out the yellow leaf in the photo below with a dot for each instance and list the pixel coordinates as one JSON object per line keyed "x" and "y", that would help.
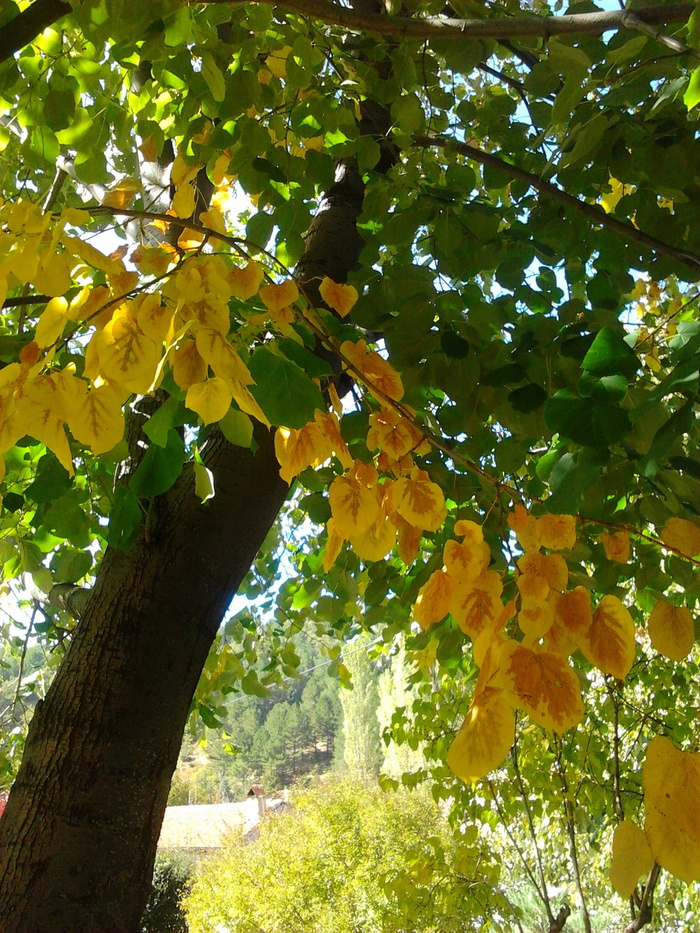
{"x": 465, "y": 562}
{"x": 683, "y": 536}
{"x": 552, "y": 567}
{"x": 218, "y": 173}
{"x": 353, "y": 506}
{"x": 376, "y": 541}
{"x": 573, "y": 611}
{"x": 188, "y": 365}
{"x": 211, "y": 399}
{"x": 543, "y": 685}
{"x": 215, "y": 349}
{"x": 485, "y": 738}
{"x": 125, "y": 354}
{"x": 672, "y": 808}
{"x": 152, "y": 317}
{"x": 631, "y": 857}
{"x": 420, "y": 501}
{"x": 409, "y": 539}
{"x": 434, "y": 598}
{"x": 671, "y": 630}
{"x": 330, "y": 426}
{"x": 277, "y": 61}
{"x": 477, "y": 606}
{"x": 97, "y": 421}
{"x": 183, "y": 172}
{"x": 377, "y": 372}
{"x": 609, "y": 642}
{"x": 277, "y": 297}
{"x": 535, "y": 619}
{"x": 53, "y": 276}
{"x": 184, "y": 201}
{"x": 298, "y": 448}
{"x": 40, "y": 411}
{"x": 122, "y": 194}
{"x": 245, "y": 281}
{"x": 617, "y": 546}
{"x": 392, "y": 433}
{"x": 213, "y": 219}
{"x": 340, "y": 298}
{"x": 532, "y": 588}
{"x": 526, "y": 528}
{"x": 53, "y": 319}
{"x": 334, "y": 544}
{"x": 246, "y": 402}
{"x": 92, "y": 256}
{"x": 557, "y": 532}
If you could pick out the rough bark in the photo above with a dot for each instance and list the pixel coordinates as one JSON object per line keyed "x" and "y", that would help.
{"x": 78, "y": 837}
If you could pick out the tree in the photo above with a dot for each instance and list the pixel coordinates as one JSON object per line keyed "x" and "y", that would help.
{"x": 334, "y": 863}
{"x": 485, "y": 366}
{"x": 361, "y": 749}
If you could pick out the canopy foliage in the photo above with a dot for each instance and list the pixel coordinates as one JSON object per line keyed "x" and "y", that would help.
{"x": 513, "y": 481}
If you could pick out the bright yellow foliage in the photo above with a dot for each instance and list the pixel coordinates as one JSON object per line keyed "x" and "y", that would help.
{"x": 682, "y": 535}
{"x": 246, "y": 281}
{"x": 376, "y": 372}
{"x": 485, "y": 737}
{"x": 353, "y": 506}
{"x": 98, "y": 421}
{"x": 631, "y": 857}
{"x": 617, "y": 546}
{"x": 543, "y": 685}
{"x": 299, "y": 448}
{"x": 557, "y": 532}
{"x": 211, "y": 399}
{"x": 340, "y": 298}
{"x": 434, "y": 599}
{"x": 671, "y": 630}
{"x": 277, "y": 297}
{"x": 420, "y": 501}
{"x": 609, "y": 642}
{"x": 672, "y": 807}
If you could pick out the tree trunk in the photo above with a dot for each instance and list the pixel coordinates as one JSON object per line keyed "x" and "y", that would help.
{"x": 78, "y": 837}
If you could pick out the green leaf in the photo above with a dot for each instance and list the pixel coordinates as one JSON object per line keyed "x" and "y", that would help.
{"x": 66, "y": 519}
{"x": 172, "y": 413}
{"x": 213, "y": 76}
{"x": 303, "y": 357}
{"x": 570, "y": 478}
{"x": 691, "y": 97}
{"x": 678, "y": 424}
{"x": 50, "y": 481}
{"x": 125, "y": 519}
{"x": 610, "y": 355}
{"x": 283, "y": 390}
{"x": 237, "y": 428}
{"x": 160, "y": 467}
{"x": 407, "y": 113}
{"x": 68, "y": 566}
{"x": 527, "y": 398}
{"x": 585, "y": 421}
{"x": 252, "y": 686}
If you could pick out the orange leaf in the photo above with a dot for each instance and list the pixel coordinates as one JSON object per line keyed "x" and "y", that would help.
{"x": 609, "y": 642}
{"x": 557, "y": 532}
{"x": 617, "y": 546}
{"x": 434, "y": 599}
{"x": 543, "y": 685}
{"x": 552, "y": 567}
{"x": 340, "y": 298}
{"x": 476, "y": 606}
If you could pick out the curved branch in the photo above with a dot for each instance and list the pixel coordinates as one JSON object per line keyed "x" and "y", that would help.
{"x": 25, "y": 27}
{"x": 592, "y": 211}
{"x": 435, "y": 27}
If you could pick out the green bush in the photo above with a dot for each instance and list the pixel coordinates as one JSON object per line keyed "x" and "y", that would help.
{"x": 164, "y": 912}
{"x": 348, "y": 859}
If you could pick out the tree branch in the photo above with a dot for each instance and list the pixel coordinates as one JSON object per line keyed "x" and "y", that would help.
{"x": 25, "y": 27}
{"x": 435, "y": 27}
{"x": 592, "y": 211}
